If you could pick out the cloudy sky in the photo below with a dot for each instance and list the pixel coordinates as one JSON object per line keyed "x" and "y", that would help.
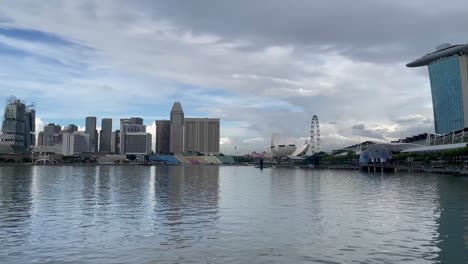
{"x": 261, "y": 66}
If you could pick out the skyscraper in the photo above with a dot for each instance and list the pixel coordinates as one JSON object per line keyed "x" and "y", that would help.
{"x": 105, "y": 135}
{"x": 115, "y": 142}
{"x": 51, "y": 135}
{"x": 448, "y": 74}
{"x": 177, "y": 129}
{"x": 90, "y": 129}
{"x": 18, "y": 127}
{"x": 132, "y": 135}
{"x": 13, "y": 127}
{"x": 30, "y": 127}
{"x": 201, "y": 135}
{"x": 121, "y": 145}
{"x": 163, "y": 132}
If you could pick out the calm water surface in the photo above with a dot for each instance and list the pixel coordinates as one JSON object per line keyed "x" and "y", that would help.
{"x": 114, "y": 214}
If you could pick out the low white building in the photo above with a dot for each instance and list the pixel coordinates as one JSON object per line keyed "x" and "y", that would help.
{"x": 74, "y": 143}
{"x": 55, "y": 149}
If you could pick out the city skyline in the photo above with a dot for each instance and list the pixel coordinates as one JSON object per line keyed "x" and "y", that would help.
{"x": 258, "y": 80}
{"x": 191, "y": 135}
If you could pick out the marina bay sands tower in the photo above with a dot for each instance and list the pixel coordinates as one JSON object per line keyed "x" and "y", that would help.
{"x": 448, "y": 74}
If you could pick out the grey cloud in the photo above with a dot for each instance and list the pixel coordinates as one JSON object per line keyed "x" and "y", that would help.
{"x": 361, "y": 130}
{"x": 363, "y": 29}
{"x": 342, "y": 60}
{"x": 414, "y": 119}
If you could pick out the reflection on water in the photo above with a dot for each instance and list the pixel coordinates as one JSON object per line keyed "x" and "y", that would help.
{"x": 198, "y": 214}
{"x": 453, "y": 220}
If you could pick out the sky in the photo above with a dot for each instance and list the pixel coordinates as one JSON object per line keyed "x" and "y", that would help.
{"x": 263, "y": 67}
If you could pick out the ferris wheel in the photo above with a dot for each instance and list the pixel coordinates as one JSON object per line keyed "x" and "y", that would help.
{"x": 315, "y": 135}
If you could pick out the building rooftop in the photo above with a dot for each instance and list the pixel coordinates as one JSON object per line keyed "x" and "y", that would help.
{"x": 412, "y": 139}
{"x": 447, "y": 51}
{"x": 435, "y": 148}
{"x": 177, "y": 107}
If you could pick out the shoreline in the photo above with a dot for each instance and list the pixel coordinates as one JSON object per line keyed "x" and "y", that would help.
{"x": 105, "y": 164}
{"x": 436, "y": 171}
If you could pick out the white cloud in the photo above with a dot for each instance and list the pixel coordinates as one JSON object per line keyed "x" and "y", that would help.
{"x": 256, "y": 140}
{"x": 39, "y": 125}
{"x": 128, "y": 61}
{"x": 225, "y": 141}
{"x": 152, "y": 130}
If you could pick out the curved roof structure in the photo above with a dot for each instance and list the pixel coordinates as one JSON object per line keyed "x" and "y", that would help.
{"x": 282, "y": 150}
{"x": 302, "y": 150}
{"x": 375, "y": 153}
{"x": 443, "y": 53}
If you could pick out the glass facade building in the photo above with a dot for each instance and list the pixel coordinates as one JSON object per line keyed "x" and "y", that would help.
{"x": 447, "y": 96}
{"x": 19, "y": 125}
{"x": 448, "y": 74}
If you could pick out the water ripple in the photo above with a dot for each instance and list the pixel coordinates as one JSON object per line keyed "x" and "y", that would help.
{"x": 229, "y": 215}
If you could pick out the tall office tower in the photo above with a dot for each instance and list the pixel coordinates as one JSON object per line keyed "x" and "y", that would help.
{"x": 70, "y": 128}
{"x": 115, "y": 142}
{"x": 90, "y": 129}
{"x": 163, "y": 132}
{"x": 74, "y": 143}
{"x": 51, "y": 135}
{"x": 105, "y": 135}
{"x": 123, "y": 122}
{"x": 448, "y": 75}
{"x": 137, "y": 143}
{"x": 40, "y": 138}
{"x": 129, "y": 125}
{"x": 177, "y": 129}
{"x": 13, "y": 126}
{"x": 30, "y": 127}
{"x": 201, "y": 135}
{"x": 19, "y": 125}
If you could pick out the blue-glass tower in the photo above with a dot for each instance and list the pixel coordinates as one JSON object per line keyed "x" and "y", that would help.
{"x": 448, "y": 74}
{"x": 447, "y": 96}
